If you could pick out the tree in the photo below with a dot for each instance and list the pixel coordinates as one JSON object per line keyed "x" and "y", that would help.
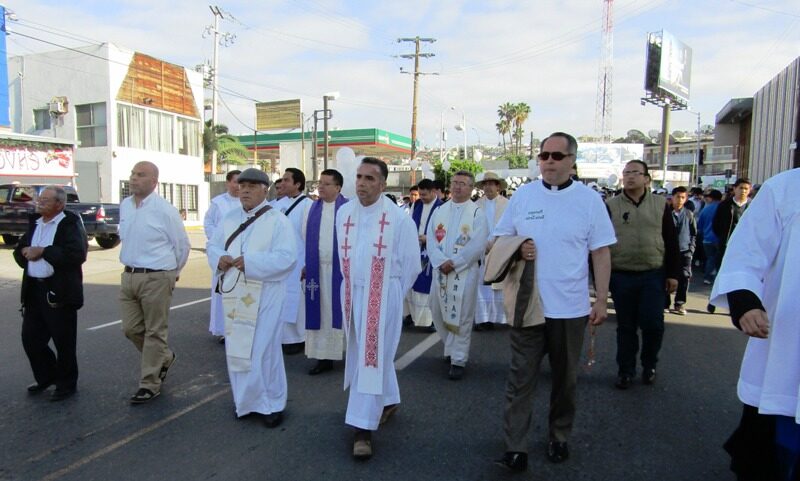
{"x": 520, "y": 112}
{"x": 503, "y": 128}
{"x": 229, "y": 149}
{"x": 506, "y": 114}
{"x": 455, "y": 166}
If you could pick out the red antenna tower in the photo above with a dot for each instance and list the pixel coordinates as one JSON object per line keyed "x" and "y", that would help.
{"x": 605, "y": 76}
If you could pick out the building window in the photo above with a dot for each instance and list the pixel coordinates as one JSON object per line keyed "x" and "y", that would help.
{"x": 165, "y": 191}
{"x": 124, "y": 189}
{"x": 160, "y": 131}
{"x": 130, "y": 126}
{"x": 188, "y": 137}
{"x": 91, "y": 124}
{"x": 41, "y": 119}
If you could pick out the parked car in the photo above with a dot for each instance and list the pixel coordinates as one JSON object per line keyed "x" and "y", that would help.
{"x": 18, "y": 202}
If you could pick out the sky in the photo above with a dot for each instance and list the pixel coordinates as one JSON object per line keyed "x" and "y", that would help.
{"x": 544, "y": 53}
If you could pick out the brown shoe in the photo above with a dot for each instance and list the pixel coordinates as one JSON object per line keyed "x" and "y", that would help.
{"x": 388, "y": 412}
{"x": 362, "y": 444}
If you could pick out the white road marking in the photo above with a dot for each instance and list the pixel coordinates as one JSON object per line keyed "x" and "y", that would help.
{"x": 114, "y": 323}
{"x": 122, "y": 442}
{"x": 414, "y": 353}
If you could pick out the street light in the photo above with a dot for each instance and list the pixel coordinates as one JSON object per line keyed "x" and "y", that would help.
{"x": 325, "y": 98}
{"x": 696, "y": 165}
{"x": 478, "y": 135}
{"x": 462, "y": 127}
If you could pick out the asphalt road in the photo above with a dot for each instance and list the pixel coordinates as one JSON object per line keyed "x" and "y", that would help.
{"x": 443, "y": 430}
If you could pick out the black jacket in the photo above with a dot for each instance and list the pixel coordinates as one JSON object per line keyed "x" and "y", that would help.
{"x": 66, "y": 255}
{"x": 726, "y": 218}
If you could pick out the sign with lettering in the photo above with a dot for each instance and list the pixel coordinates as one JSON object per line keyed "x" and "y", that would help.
{"x": 28, "y": 161}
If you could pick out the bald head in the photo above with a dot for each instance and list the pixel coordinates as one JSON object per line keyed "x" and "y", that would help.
{"x": 144, "y": 179}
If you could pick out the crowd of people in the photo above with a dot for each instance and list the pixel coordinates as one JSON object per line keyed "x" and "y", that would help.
{"x": 337, "y": 279}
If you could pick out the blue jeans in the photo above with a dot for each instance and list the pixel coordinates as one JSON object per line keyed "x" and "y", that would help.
{"x": 639, "y": 302}
{"x": 712, "y": 260}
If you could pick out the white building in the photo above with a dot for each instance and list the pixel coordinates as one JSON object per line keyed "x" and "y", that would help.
{"x": 120, "y": 107}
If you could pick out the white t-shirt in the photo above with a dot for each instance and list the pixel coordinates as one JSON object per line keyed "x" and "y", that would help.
{"x": 565, "y": 225}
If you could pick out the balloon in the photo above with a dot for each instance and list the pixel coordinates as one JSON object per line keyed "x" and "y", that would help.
{"x": 533, "y": 167}
{"x": 477, "y": 155}
{"x": 346, "y": 165}
{"x": 613, "y": 179}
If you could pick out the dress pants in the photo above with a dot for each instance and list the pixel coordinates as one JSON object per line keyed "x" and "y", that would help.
{"x": 639, "y": 303}
{"x": 144, "y": 301}
{"x": 40, "y": 323}
{"x": 562, "y": 340}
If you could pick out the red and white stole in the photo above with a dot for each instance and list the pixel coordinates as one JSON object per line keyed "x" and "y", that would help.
{"x": 373, "y": 311}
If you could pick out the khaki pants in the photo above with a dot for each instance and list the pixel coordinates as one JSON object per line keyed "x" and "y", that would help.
{"x": 562, "y": 340}
{"x": 144, "y": 301}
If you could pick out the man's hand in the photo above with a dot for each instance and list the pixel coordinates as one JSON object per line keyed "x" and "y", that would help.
{"x": 225, "y": 263}
{"x": 32, "y": 253}
{"x": 239, "y": 263}
{"x": 447, "y": 267}
{"x": 671, "y": 285}
{"x": 599, "y": 312}
{"x": 755, "y": 323}
{"x": 527, "y": 250}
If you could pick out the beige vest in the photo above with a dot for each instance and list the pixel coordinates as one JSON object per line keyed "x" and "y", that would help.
{"x": 640, "y": 244}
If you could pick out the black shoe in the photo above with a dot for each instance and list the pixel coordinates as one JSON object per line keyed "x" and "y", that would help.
{"x": 407, "y": 321}
{"x": 513, "y": 461}
{"x": 623, "y": 382}
{"x": 557, "y": 452}
{"x": 143, "y": 396}
{"x": 480, "y": 327}
{"x": 61, "y": 394}
{"x": 711, "y": 308}
{"x": 273, "y": 420}
{"x": 456, "y": 372}
{"x": 321, "y": 366}
{"x": 36, "y": 388}
{"x": 163, "y": 373}
{"x": 430, "y": 328}
{"x": 221, "y": 340}
{"x": 649, "y": 376}
{"x": 296, "y": 348}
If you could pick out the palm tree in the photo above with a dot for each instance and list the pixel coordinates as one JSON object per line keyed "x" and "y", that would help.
{"x": 505, "y": 113}
{"x": 520, "y": 112}
{"x": 229, "y": 149}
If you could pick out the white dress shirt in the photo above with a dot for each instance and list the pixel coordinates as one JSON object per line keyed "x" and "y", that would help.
{"x": 152, "y": 234}
{"x": 43, "y": 236}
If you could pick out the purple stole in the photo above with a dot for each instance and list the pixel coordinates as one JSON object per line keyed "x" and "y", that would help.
{"x": 312, "y": 296}
{"x": 423, "y": 282}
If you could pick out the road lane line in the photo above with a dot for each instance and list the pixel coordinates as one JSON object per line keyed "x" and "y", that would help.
{"x": 122, "y": 442}
{"x": 416, "y": 351}
{"x": 114, "y": 323}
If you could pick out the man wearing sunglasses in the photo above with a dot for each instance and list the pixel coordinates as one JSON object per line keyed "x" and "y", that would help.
{"x": 565, "y": 222}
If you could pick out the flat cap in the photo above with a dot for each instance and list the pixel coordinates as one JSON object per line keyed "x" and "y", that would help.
{"x": 254, "y": 176}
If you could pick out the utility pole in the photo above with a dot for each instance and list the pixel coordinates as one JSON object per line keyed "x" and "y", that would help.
{"x": 416, "y": 55}
{"x": 226, "y": 39}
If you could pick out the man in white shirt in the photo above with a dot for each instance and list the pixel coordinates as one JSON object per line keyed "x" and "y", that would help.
{"x": 155, "y": 248}
{"x": 758, "y": 282}
{"x": 51, "y": 254}
{"x": 456, "y": 240}
{"x": 220, "y": 205}
{"x": 566, "y": 222}
{"x": 294, "y": 204}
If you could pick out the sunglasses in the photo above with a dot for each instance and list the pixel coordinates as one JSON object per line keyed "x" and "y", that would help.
{"x": 554, "y": 155}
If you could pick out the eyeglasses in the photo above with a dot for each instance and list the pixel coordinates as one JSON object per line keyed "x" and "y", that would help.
{"x": 458, "y": 183}
{"x": 632, "y": 172}
{"x": 554, "y": 155}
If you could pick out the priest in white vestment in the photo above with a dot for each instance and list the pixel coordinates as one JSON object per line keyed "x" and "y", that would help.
{"x": 323, "y": 276}
{"x": 294, "y": 204}
{"x": 456, "y": 242}
{"x": 379, "y": 252}
{"x": 417, "y": 302}
{"x": 218, "y": 207}
{"x": 489, "y": 307}
{"x": 253, "y": 257}
{"x": 758, "y": 282}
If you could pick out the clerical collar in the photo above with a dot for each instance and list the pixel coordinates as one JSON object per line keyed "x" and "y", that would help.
{"x": 557, "y": 187}
{"x": 252, "y": 212}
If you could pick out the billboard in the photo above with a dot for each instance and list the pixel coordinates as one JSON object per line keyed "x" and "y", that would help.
{"x": 668, "y": 68}
{"x": 599, "y": 161}
{"x": 278, "y": 115}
